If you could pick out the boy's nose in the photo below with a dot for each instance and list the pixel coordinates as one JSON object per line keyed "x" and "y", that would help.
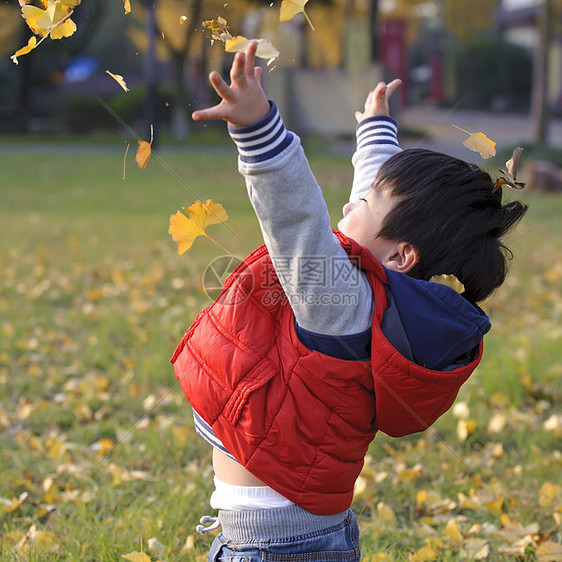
{"x": 347, "y": 208}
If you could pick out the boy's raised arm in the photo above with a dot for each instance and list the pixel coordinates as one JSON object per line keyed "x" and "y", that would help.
{"x": 244, "y": 101}
{"x": 376, "y": 138}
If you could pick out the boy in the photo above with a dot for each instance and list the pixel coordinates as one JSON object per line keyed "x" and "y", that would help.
{"x": 322, "y": 338}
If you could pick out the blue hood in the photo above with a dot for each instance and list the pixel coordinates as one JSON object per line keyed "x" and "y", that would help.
{"x": 440, "y": 326}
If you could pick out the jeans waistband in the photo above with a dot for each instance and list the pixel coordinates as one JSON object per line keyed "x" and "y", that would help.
{"x": 275, "y": 523}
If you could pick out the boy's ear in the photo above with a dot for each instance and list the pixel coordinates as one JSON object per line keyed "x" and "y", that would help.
{"x": 405, "y": 257}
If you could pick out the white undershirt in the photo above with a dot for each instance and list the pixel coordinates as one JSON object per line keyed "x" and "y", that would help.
{"x": 230, "y": 497}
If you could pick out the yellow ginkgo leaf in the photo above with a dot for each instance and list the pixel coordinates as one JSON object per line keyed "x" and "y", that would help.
{"x": 219, "y": 29}
{"x": 185, "y": 229}
{"x": 449, "y": 281}
{"x": 290, "y": 8}
{"x": 31, "y": 14}
{"x": 239, "y": 43}
{"x": 479, "y": 142}
{"x": 452, "y": 531}
{"x": 144, "y": 151}
{"x": 31, "y": 44}
{"x": 127, "y": 6}
{"x": 119, "y": 79}
{"x": 136, "y": 557}
{"x": 56, "y": 18}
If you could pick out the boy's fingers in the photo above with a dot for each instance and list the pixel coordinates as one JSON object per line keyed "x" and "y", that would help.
{"x": 220, "y": 86}
{"x": 257, "y": 73}
{"x": 237, "y": 70}
{"x": 208, "y": 114}
{"x": 392, "y": 87}
{"x": 250, "y": 59}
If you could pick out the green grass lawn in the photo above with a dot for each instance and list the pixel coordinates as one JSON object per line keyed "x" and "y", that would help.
{"x": 97, "y": 450}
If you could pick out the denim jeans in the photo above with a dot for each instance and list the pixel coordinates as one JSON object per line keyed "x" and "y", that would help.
{"x": 335, "y": 543}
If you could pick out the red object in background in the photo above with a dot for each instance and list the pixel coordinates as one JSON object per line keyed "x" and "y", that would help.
{"x": 394, "y": 55}
{"x": 436, "y": 80}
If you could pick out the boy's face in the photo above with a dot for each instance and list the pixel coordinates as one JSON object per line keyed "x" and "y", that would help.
{"x": 362, "y": 222}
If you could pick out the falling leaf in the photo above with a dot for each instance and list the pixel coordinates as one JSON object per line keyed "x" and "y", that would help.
{"x": 510, "y": 176}
{"x": 513, "y": 162}
{"x": 219, "y": 29}
{"x": 144, "y": 151}
{"x": 119, "y": 79}
{"x": 479, "y": 142}
{"x": 31, "y": 44}
{"x": 54, "y": 20}
{"x": 290, "y": 8}
{"x": 183, "y": 19}
{"x": 185, "y": 229}
{"x": 125, "y": 159}
{"x": 449, "y": 281}
{"x": 127, "y": 6}
{"x": 239, "y": 43}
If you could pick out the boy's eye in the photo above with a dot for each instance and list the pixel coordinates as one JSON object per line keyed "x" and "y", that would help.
{"x": 362, "y": 199}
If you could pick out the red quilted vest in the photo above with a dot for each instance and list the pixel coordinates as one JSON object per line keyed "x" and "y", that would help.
{"x": 297, "y": 419}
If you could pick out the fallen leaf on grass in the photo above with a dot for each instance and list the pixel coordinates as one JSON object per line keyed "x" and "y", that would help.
{"x": 453, "y": 533}
{"x": 119, "y": 79}
{"x": 479, "y": 142}
{"x": 185, "y": 229}
{"x": 290, "y": 8}
{"x": 14, "y": 503}
{"x": 136, "y": 557}
{"x": 549, "y": 551}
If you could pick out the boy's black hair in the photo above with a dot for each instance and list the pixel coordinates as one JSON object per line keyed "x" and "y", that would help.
{"x": 446, "y": 209}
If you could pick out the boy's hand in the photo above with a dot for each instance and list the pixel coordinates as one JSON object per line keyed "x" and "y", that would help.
{"x": 244, "y": 101}
{"x": 377, "y": 100}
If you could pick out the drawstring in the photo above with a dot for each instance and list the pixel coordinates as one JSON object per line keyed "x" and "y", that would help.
{"x": 213, "y": 523}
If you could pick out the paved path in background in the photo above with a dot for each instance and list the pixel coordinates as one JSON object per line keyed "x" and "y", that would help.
{"x": 435, "y": 123}
{"x": 505, "y": 130}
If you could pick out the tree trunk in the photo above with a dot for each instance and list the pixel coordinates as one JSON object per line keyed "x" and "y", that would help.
{"x": 180, "y": 123}
{"x": 373, "y": 26}
{"x": 539, "y": 103}
{"x": 150, "y": 77}
{"x": 180, "y": 114}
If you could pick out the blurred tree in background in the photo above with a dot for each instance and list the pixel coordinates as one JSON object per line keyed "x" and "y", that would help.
{"x": 451, "y": 49}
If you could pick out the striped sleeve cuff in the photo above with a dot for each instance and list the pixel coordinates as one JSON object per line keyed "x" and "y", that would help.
{"x": 263, "y": 140}
{"x": 380, "y": 129}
